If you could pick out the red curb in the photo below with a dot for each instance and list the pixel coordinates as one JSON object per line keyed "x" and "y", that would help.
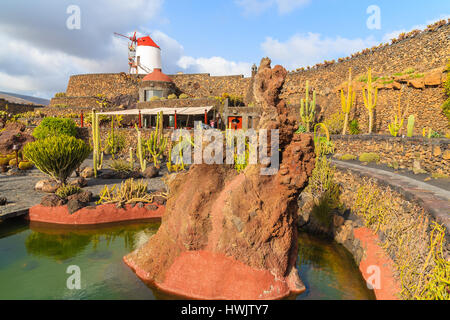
{"x": 376, "y": 256}
{"x": 106, "y": 213}
{"x": 214, "y": 276}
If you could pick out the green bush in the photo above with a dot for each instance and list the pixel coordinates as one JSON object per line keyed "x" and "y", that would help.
{"x": 301, "y": 129}
{"x": 183, "y": 96}
{"x": 353, "y": 127}
{"x": 60, "y": 95}
{"x": 57, "y": 156}
{"x": 325, "y": 191}
{"x": 369, "y": 157}
{"x": 155, "y": 98}
{"x": 4, "y": 162}
{"x": 121, "y": 166}
{"x": 25, "y": 165}
{"x": 67, "y": 190}
{"x": 335, "y": 123}
{"x": 115, "y": 143}
{"x": 347, "y": 157}
{"x": 55, "y": 127}
{"x": 172, "y": 96}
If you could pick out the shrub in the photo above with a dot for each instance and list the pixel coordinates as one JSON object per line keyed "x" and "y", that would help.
{"x": 115, "y": 143}
{"x": 129, "y": 191}
{"x": 183, "y": 96}
{"x": 301, "y": 129}
{"x": 325, "y": 191}
{"x": 347, "y": 157}
{"x": 55, "y": 127}
{"x": 26, "y": 165}
{"x": 369, "y": 157}
{"x": 121, "y": 166}
{"x": 354, "y": 127}
{"x": 155, "y": 98}
{"x": 57, "y": 156}
{"x": 67, "y": 190}
{"x": 12, "y": 162}
{"x": 172, "y": 96}
{"x": 4, "y": 162}
{"x": 60, "y": 95}
{"x": 335, "y": 123}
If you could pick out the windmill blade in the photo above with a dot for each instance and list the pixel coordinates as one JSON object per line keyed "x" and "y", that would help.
{"x": 121, "y": 35}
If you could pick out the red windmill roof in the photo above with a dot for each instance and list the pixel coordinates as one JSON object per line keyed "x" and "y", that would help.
{"x": 147, "y": 41}
{"x": 157, "y": 75}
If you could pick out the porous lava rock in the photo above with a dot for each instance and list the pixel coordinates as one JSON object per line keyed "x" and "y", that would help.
{"x": 234, "y": 236}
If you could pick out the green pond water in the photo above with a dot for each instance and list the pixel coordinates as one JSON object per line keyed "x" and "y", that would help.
{"x": 34, "y": 260}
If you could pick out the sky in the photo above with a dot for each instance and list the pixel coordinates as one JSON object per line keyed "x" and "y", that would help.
{"x": 40, "y": 48}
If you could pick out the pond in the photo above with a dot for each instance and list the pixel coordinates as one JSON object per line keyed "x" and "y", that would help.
{"x": 34, "y": 261}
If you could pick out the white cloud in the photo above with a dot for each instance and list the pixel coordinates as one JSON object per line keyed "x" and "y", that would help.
{"x": 38, "y": 54}
{"x": 302, "y": 50}
{"x": 216, "y": 66}
{"x": 394, "y": 34}
{"x": 256, "y": 7}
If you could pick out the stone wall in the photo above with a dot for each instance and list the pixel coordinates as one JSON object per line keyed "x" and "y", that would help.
{"x": 423, "y": 52}
{"x": 431, "y": 155}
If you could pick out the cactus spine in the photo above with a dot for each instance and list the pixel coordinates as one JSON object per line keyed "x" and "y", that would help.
{"x": 308, "y": 108}
{"x": 347, "y": 103}
{"x": 411, "y": 121}
{"x": 96, "y": 142}
{"x": 370, "y": 98}
{"x": 139, "y": 152}
{"x": 156, "y": 145}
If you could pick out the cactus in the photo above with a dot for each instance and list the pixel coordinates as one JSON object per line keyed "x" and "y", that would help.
{"x": 156, "y": 144}
{"x": 411, "y": 121}
{"x": 131, "y": 159}
{"x": 348, "y": 102}
{"x": 140, "y": 153}
{"x": 307, "y": 108}
{"x": 397, "y": 125}
{"x": 370, "y": 98}
{"x": 96, "y": 143}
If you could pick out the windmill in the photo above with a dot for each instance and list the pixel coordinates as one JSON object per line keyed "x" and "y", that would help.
{"x": 132, "y": 63}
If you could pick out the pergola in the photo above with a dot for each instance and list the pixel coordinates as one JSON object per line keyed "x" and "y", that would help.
{"x": 166, "y": 111}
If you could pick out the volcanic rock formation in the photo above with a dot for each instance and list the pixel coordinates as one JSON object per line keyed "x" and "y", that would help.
{"x": 233, "y": 236}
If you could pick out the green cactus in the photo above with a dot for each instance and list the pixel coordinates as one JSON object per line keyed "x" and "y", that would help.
{"x": 139, "y": 151}
{"x": 347, "y": 103}
{"x": 156, "y": 144}
{"x": 96, "y": 143}
{"x": 131, "y": 159}
{"x": 308, "y": 108}
{"x": 395, "y": 126}
{"x": 410, "y": 126}
{"x": 370, "y": 98}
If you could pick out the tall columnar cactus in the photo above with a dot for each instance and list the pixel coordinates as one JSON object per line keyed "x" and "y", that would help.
{"x": 96, "y": 144}
{"x": 139, "y": 151}
{"x": 156, "y": 144}
{"x": 370, "y": 98}
{"x": 347, "y": 103}
{"x": 410, "y": 126}
{"x": 396, "y": 126}
{"x": 308, "y": 108}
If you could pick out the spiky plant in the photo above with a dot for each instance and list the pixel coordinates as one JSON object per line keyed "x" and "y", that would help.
{"x": 308, "y": 108}
{"x": 370, "y": 98}
{"x": 347, "y": 102}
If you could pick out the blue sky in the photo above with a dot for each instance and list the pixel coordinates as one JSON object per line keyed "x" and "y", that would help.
{"x": 219, "y": 37}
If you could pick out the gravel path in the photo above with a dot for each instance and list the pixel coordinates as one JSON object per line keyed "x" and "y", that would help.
{"x": 20, "y": 193}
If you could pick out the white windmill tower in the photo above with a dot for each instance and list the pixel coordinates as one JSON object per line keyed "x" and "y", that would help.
{"x": 144, "y": 55}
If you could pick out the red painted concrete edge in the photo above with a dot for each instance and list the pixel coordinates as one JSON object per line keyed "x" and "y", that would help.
{"x": 205, "y": 275}
{"x": 107, "y": 213}
{"x": 376, "y": 256}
